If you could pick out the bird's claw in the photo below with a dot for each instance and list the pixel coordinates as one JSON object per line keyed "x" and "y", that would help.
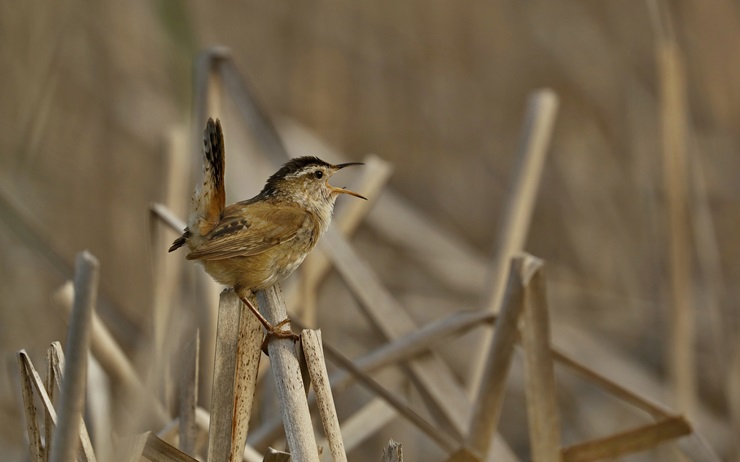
{"x": 276, "y": 332}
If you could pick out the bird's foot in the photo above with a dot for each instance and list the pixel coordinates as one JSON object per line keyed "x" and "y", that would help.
{"x": 276, "y": 332}
{"x": 273, "y": 331}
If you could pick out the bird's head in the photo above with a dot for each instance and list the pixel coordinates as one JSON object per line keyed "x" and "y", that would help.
{"x": 306, "y": 179}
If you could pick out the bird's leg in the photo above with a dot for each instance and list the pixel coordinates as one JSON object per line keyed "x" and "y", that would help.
{"x": 272, "y": 330}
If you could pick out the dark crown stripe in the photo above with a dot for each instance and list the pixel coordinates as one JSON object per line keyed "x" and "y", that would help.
{"x": 290, "y": 167}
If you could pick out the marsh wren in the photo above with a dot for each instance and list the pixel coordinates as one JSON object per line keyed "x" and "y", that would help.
{"x": 256, "y": 243}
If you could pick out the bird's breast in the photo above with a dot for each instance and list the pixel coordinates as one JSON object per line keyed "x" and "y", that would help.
{"x": 257, "y": 272}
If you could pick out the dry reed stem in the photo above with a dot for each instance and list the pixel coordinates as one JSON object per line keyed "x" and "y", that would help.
{"x": 157, "y": 450}
{"x": 542, "y": 407}
{"x": 276, "y": 456}
{"x": 236, "y": 362}
{"x": 99, "y": 409}
{"x": 681, "y": 338}
{"x": 595, "y": 355}
{"x": 167, "y": 217}
{"x": 248, "y": 356}
{"x": 58, "y": 365}
{"x": 680, "y": 344}
{"x": 288, "y": 380}
{"x": 32, "y": 426}
{"x": 722, "y": 326}
{"x": 638, "y": 439}
{"x": 112, "y": 358}
{"x": 365, "y": 422}
{"x": 407, "y": 347}
{"x": 709, "y": 259}
{"x": 66, "y": 437}
{"x": 733, "y": 394}
{"x": 188, "y": 394}
{"x": 393, "y": 452}
{"x": 696, "y": 448}
{"x": 150, "y": 447}
{"x": 50, "y": 386}
{"x": 167, "y": 271}
{"x": 205, "y": 70}
{"x": 30, "y": 379}
{"x": 443, "y": 439}
{"x": 535, "y": 138}
{"x": 311, "y": 342}
{"x": 206, "y": 314}
{"x": 400, "y": 349}
{"x": 203, "y": 423}
{"x": 247, "y": 103}
{"x": 654, "y": 408}
{"x": 486, "y": 413}
{"x": 35, "y": 236}
{"x": 208, "y": 102}
{"x": 500, "y": 451}
{"x": 447, "y": 398}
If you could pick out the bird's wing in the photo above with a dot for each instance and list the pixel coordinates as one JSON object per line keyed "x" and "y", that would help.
{"x": 249, "y": 229}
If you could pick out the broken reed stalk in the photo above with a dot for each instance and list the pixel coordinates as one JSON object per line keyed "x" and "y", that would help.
{"x": 66, "y": 437}
{"x": 535, "y": 138}
{"x": 32, "y": 426}
{"x": 148, "y": 446}
{"x": 288, "y": 380}
{"x": 236, "y": 361}
{"x": 50, "y": 387}
{"x": 393, "y": 452}
{"x": 30, "y": 380}
{"x": 277, "y": 456}
{"x": 487, "y": 410}
{"x": 312, "y": 350}
{"x": 542, "y": 407}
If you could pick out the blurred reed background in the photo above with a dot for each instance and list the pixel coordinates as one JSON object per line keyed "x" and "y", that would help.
{"x": 91, "y": 92}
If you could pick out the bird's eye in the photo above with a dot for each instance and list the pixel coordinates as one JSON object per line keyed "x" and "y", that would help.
{"x": 318, "y": 174}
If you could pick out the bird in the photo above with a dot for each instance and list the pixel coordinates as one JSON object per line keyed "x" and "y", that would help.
{"x": 256, "y": 243}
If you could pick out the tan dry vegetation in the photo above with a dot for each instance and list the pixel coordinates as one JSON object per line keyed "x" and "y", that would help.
{"x": 91, "y": 93}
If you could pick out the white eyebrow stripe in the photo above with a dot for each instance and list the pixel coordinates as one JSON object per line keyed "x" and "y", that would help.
{"x": 303, "y": 171}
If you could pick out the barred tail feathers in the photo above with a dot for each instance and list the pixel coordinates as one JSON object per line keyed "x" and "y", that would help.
{"x": 209, "y": 198}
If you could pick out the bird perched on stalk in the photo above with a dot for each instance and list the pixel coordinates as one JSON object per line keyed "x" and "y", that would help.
{"x": 253, "y": 244}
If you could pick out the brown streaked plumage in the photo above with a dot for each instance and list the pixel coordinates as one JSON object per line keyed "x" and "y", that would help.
{"x": 253, "y": 244}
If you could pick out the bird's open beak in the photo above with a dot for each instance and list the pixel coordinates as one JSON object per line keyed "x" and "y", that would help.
{"x": 344, "y": 190}
{"x": 341, "y": 166}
